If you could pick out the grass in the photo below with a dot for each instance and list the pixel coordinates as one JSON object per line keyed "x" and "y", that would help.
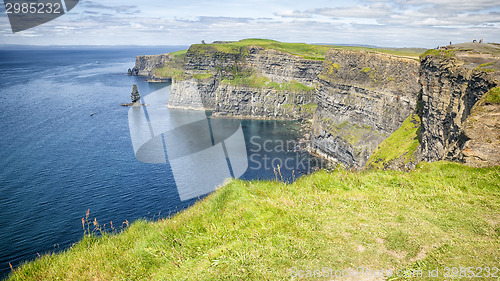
{"x": 202, "y": 76}
{"x": 413, "y": 53}
{"x": 168, "y": 71}
{"x": 441, "y": 214}
{"x": 484, "y": 67}
{"x": 295, "y": 86}
{"x": 173, "y": 68}
{"x": 308, "y": 51}
{"x": 401, "y": 144}
{"x": 309, "y": 108}
{"x": 440, "y": 52}
{"x": 493, "y": 96}
{"x": 179, "y": 54}
{"x": 251, "y": 80}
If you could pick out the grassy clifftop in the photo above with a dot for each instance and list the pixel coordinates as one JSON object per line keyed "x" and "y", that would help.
{"x": 439, "y": 215}
{"x": 307, "y": 51}
{"x": 299, "y": 49}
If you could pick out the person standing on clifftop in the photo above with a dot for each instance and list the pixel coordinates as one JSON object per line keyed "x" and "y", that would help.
{"x": 474, "y": 40}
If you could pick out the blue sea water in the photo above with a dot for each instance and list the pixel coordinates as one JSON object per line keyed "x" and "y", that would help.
{"x": 57, "y": 160}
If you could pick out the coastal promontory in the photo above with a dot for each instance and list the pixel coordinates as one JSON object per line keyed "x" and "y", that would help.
{"x": 355, "y": 98}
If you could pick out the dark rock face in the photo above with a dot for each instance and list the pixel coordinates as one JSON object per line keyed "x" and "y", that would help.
{"x": 451, "y": 86}
{"x": 334, "y": 148}
{"x": 362, "y": 98}
{"x": 205, "y": 58}
{"x": 134, "y": 71}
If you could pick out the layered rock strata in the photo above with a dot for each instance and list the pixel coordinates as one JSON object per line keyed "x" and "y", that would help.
{"x": 362, "y": 98}
{"x": 355, "y": 99}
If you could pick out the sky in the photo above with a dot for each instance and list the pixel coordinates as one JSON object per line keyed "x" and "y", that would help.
{"x": 385, "y": 23}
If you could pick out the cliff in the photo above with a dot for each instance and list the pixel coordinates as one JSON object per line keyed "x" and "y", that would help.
{"x": 362, "y": 98}
{"x": 243, "y": 101}
{"x": 357, "y": 98}
{"x": 144, "y": 65}
{"x": 246, "y": 81}
{"x": 281, "y": 67}
{"x": 454, "y": 125}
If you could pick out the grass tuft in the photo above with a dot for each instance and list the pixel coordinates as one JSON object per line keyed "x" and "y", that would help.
{"x": 493, "y": 96}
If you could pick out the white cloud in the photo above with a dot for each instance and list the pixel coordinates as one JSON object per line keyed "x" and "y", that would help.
{"x": 453, "y": 5}
{"x": 360, "y": 11}
{"x": 292, "y": 14}
{"x": 119, "y": 9}
{"x": 438, "y": 18}
{"x": 372, "y": 22}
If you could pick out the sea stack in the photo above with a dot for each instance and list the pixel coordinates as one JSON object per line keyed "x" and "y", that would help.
{"x": 135, "y": 94}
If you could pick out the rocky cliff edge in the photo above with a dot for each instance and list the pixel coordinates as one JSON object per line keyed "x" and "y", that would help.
{"x": 356, "y": 99}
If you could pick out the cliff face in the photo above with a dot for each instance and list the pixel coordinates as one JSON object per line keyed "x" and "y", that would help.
{"x": 452, "y": 83}
{"x": 247, "y": 82}
{"x": 208, "y": 58}
{"x": 248, "y": 102}
{"x": 144, "y": 65}
{"x": 195, "y": 94}
{"x": 356, "y": 99}
{"x": 482, "y": 131}
{"x": 238, "y": 101}
{"x": 362, "y": 98}
{"x": 359, "y": 98}
{"x": 281, "y": 67}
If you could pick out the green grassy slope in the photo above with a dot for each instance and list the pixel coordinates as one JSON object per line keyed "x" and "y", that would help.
{"x": 308, "y": 51}
{"x": 441, "y": 214}
{"x": 174, "y": 68}
{"x": 493, "y": 96}
{"x": 400, "y": 145}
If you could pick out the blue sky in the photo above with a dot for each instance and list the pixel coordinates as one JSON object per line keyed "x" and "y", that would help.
{"x": 397, "y": 23}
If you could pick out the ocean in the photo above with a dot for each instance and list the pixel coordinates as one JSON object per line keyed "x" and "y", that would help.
{"x": 66, "y": 148}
